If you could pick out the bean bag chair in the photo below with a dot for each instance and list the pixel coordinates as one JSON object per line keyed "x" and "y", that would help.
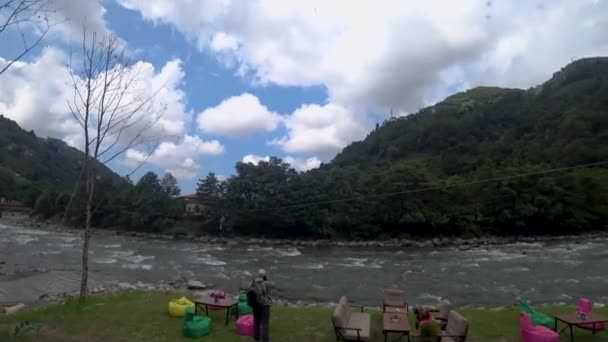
{"x": 584, "y": 308}
{"x": 531, "y": 333}
{"x": 244, "y": 325}
{"x": 537, "y": 317}
{"x": 177, "y": 307}
{"x": 244, "y": 309}
{"x": 195, "y": 326}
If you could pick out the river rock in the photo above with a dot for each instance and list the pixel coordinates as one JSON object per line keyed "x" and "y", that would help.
{"x": 126, "y": 286}
{"x": 195, "y": 285}
{"x": 10, "y": 310}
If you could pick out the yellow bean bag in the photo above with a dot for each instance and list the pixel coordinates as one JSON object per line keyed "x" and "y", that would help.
{"x": 177, "y": 307}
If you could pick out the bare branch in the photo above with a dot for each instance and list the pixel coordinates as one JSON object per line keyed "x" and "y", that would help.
{"x": 13, "y": 13}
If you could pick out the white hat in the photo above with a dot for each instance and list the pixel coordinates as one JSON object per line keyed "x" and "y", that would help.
{"x": 261, "y": 273}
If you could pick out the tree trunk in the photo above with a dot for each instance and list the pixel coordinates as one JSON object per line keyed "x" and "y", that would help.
{"x": 87, "y": 231}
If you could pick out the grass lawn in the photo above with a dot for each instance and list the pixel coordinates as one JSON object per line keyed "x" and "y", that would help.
{"x": 135, "y": 316}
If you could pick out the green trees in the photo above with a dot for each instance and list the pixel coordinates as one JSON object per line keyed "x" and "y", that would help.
{"x": 451, "y": 149}
{"x": 169, "y": 185}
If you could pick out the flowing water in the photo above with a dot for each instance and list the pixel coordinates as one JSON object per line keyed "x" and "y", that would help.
{"x": 34, "y": 262}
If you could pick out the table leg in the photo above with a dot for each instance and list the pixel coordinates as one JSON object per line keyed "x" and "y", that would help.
{"x": 555, "y": 325}
{"x": 385, "y": 333}
{"x": 571, "y": 334}
{"x": 207, "y": 309}
{"x": 227, "y": 315}
{"x": 237, "y": 311}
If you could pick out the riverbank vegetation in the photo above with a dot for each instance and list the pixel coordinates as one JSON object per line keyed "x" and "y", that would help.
{"x": 136, "y": 316}
{"x": 486, "y": 161}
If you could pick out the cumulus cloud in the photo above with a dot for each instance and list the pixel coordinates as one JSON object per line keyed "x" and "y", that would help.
{"x": 322, "y": 130}
{"x": 72, "y": 16}
{"x": 378, "y": 56}
{"x": 299, "y": 164}
{"x": 254, "y": 159}
{"x": 181, "y": 158}
{"x": 302, "y": 164}
{"x": 36, "y": 94}
{"x": 238, "y": 116}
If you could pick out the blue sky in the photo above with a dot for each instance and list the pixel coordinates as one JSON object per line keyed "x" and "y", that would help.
{"x": 300, "y": 80}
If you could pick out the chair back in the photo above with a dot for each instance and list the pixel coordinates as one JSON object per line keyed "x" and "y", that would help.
{"x": 189, "y": 314}
{"x": 341, "y": 314}
{"x": 584, "y": 306}
{"x": 458, "y": 326}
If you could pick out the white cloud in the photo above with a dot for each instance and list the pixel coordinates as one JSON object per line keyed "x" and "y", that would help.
{"x": 321, "y": 130}
{"x": 238, "y": 116}
{"x": 36, "y": 94}
{"x": 302, "y": 164}
{"x": 254, "y": 159}
{"x": 181, "y": 158}
{"x": 72, "y": 16}
{"x": 390, "y": 54}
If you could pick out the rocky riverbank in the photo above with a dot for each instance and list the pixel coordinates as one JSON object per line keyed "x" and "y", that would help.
{"x": 459, "y": 242}
{"x": 182, "y": 283}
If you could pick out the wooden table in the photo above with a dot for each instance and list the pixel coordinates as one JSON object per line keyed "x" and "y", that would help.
{"x": 395, "y": 322}
{"x": 574, "y": 319}
{"x": 227, "y": 303}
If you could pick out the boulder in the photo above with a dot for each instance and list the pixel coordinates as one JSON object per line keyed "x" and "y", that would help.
{"x": 9, "y": 310}
{"x": 195, "y": 285}
{"x": 125, "y": 286}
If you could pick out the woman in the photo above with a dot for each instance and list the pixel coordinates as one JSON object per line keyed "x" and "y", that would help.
{"x": 426, "y": 324}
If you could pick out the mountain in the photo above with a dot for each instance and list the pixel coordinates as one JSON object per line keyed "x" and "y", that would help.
{"x": 29, "y": 163}
{"x": 454, "y": 168}
{"x": 561, "y": 122}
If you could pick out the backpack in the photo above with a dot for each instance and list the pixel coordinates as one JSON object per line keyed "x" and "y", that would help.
{"x": 252, "y": 296}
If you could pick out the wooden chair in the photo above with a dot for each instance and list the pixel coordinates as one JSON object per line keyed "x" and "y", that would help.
{"x": 394, "y": 299}
{"x": 348, "y": 325}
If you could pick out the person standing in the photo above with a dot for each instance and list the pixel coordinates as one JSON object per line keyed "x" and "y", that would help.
{"x": 258, "y": 297}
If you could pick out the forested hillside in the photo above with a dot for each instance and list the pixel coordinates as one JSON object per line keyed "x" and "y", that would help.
{"x": 29, "y": 164}
{"x": 372, "y": 188}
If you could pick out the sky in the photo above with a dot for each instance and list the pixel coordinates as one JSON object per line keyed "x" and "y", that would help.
{"x": 301, "y": 79}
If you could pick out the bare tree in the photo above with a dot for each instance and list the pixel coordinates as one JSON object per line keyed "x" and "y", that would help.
{"x": 114, "y": 110}
{"x": 18, "y": 14}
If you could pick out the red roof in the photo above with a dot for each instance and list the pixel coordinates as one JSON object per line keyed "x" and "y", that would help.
{"x": 191, "y": 196}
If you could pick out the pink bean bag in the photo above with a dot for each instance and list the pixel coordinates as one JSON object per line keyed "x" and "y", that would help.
{"x": 244, "y": 325}
{"x": 584, "y": 308}
{"x": 535, "y": 333}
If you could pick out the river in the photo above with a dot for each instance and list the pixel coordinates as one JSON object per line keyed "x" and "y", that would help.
{"x": 34, "y": 262}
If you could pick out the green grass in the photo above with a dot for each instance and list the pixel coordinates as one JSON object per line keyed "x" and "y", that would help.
{"x": 135, "y": 316}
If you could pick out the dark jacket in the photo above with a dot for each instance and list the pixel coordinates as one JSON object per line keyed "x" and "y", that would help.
{"x": 263, "y": 288}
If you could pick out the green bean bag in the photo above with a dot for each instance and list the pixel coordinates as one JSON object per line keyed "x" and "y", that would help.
{"x": 244, "y": 309}
{"x": 195, "y": 326}
{"x": 536, "y": 317}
